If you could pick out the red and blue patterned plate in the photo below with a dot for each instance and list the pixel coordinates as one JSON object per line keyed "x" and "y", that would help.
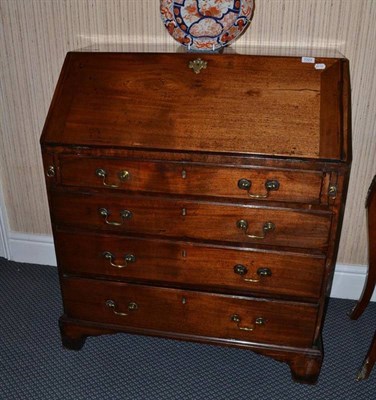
{"x": 206, "y": 25}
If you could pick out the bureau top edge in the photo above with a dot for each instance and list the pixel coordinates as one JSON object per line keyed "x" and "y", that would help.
{"x": 225, "y": 104}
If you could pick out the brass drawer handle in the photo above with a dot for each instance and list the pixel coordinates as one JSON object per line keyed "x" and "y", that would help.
{"x": 102, "y": 173}
{"x": 124, "y": 214}
{"x": 129, "y": 258}
{"x": 242, "y": 224}
{"x": 257, "y": 322}
{"x": 261, "y": 272}
{"x": 270, "y": 185}
{"x": 132, "y": 306}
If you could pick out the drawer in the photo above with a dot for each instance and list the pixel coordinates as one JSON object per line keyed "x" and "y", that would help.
{"x": 190, "y": 264}
{"x": 191, "y": 219}
{"x": 192, "y": 179}
{"x": 189, "y": 312}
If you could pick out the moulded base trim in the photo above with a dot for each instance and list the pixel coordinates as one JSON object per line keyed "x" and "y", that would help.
{"x": 4, "y": 249}
{"x": 32, "y": 249}
{"x": 348, "y": 282}
{"x": 3, "y": 252}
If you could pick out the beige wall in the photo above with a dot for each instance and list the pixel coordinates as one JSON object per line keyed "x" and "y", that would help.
{"x": 36, "y": 34}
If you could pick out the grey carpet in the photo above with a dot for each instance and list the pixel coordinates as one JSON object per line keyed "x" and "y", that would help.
{"x": 33, "y": 364}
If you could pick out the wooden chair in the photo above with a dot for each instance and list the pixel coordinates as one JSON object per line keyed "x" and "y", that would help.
{"x": 369, "y": 286}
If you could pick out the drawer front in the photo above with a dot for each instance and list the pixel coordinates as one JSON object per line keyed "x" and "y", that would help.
{"x": 190, "y": 219}
{"x": 182, "y": 263}
{"x": 189, "y": 312}
{"x": 191, "y": 179}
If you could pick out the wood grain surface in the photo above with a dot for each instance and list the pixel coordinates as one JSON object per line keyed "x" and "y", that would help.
{"x": 101, "y": 107}
{"x": 120, "y": 99}
{"x": 191, "y": 264}
{"x": 192, "y": 219}
{"x": 196, "y": 313}
{"x": 36, "y": 35}
{"x": 185, "y": 178}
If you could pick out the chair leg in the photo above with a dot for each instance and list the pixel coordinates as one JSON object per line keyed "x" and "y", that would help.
{"x": 369, "y": 361}
{"x": 369, "y": 287}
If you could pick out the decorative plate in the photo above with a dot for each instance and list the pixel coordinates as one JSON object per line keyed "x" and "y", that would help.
{"x": 206, "y": 25}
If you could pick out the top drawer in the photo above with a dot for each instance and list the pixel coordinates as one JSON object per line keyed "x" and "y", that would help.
{"x": 246, "y": 183}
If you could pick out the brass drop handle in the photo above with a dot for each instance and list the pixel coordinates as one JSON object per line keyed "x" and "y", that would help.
{"x": 261, "y": 272}
{"x": 257, "y": 322}
{"x": 102, "y": 173}
{"x": 129, "y": 258}
{"x": 270, "y": 185}
{"x": 242, "y": 224}
{"x": 124, "y": 214}
{"x": 132, "y": 306}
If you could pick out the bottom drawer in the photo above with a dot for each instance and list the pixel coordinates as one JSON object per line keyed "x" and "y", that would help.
{"x": 190, "y": 312}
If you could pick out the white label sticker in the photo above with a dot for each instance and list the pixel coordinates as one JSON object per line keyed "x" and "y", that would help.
{"x": 320, "y": 66}
{"x": 310, "y": 60}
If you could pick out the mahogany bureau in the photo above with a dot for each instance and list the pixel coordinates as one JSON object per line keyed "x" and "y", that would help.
{"x": 199, "y": 197}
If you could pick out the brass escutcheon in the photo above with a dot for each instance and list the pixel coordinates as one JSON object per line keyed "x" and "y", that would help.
{"x": 197, "y": 65}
